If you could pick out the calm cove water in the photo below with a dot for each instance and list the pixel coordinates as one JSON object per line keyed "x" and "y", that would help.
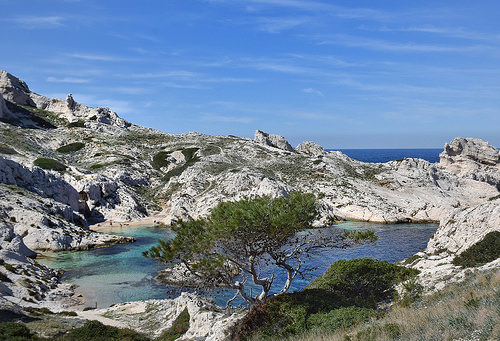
{"x": 385, "y": 155}
{"x": 120, "y": 273}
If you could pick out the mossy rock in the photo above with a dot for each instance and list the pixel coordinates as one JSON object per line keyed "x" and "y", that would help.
{"x": 72, "y": 147}
{"x": 49, "y": 164}
{"x": 484, "y": 251}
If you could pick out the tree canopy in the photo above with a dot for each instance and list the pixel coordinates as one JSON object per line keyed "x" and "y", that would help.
{"x": 251, "y": 239}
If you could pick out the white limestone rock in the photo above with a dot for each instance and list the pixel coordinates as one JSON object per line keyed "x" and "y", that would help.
{"x": 458, "y": 231}
{"x": 207, "y": 322}
{"x": 472, "y": 158}
{"x": 14, "y": 89}
{"x": 310, "y": 148}
{"x": 276, "y": 141}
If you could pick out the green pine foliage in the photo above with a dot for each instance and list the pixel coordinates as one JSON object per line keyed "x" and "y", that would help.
{"x": 484, "y": 251}
{"x": 96, "y": 331}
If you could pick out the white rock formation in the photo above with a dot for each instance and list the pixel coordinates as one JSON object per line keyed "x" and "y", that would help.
{"x": 206, "y": 321}
{"x": 310, "y": 148}
{"x": 472, "y": 158}
{"x": 459, "y": 230}
{"x": 276, "y": 141}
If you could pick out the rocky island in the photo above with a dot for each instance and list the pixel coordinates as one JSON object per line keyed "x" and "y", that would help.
{"x": 65, "y": 167}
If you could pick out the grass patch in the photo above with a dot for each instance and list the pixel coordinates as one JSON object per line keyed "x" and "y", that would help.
{"x": 484, "y": 251}
{"x": 72, "y": 147}
{"x": 494, "y": 198}
{"x": 179, "y": 327}
{"x": 16, "y": 332}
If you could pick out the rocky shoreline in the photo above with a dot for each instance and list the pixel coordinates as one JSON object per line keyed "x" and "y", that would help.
{"x": 68, "y": 171}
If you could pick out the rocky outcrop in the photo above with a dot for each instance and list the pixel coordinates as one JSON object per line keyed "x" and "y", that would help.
{"x": 206, "y": 321}
{"x": 5, "y": 114}
{"x": 310, "y": 148}
{"x": 14, "y": 90}
{"x": 459, "y": 230}
{"x": 276, "y": 141}
{"x": 472, "y": 158}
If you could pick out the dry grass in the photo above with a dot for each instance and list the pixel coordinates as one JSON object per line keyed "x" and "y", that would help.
{"x": 469, "y": 310}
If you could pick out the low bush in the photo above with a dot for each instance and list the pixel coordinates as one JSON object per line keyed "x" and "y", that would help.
{"x": 96, "y": 331}
{"x": 72, "y": 147}
{"x": 49, "y": 164}
{"x": 15, "y": 332}
{"x": 77, "y": 124}
{"x": 4, "y": 278}
{"x": 96, "y": 166}
{"x": 484, "y": 251}
{"x": 160, "y": 160}
{"x": 345, "y": 295}
{"x": 179, "y": 327}
{"x": 362, "y": 282}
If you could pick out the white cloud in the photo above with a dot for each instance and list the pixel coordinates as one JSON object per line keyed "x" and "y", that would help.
{"x": 67, "y": 80}
{"x": 312, "y": 91}
{"x": 228, "y": 119}
{"x": 32, "y": 22}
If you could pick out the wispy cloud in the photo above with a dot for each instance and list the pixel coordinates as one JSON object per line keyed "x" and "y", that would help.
{"x": 227, "y": 119}
{"x": 99, "y": 57}
{"x": 182, "y": 86}
{"x": 38, "y": 22}
{"x": 383, "y": 45}
{"x": 276, "y": 25}
{"x": 313, "y": 91}
{"x": 68, "y": 80}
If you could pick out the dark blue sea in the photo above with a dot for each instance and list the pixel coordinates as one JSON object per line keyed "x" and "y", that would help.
{"x": 385, "y": 155}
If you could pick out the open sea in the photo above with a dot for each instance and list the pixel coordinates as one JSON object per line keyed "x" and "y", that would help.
{"x": 385, "y": 155}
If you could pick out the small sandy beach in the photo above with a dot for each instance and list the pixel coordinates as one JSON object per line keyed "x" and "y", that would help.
{"x": 106, "y": 225}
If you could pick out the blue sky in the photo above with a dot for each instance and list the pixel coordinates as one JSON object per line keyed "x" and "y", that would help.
{"x": 345, "y": 74}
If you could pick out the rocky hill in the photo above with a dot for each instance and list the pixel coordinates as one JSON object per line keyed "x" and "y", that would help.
{"x": 65, "y": 166}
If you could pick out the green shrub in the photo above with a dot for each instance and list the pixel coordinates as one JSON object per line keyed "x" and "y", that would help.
{"x": 10, "y": 268}
{"x": 77, "y": 124}
{"x": 96, "y": 331}
{"x": 49, "y": 164}
{"x": 179, "y": 327}
{"x": 67, "y": 313}
{"x": 160, "y": 160}
{"x": 15, "y": 332}
{"x": 72, "y": 147}
{"x": 4, "y": 149}
{"x": 4, "y": 278}
{"x": 96, "y": 166}
{"x": 362, "y": 282}
{"x": 482, "y": 252}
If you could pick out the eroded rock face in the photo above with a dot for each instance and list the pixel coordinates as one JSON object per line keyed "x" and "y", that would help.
{"x": 14, "y": 90}
{"x": 472, "y": 158}
{"x": 276, "y": 141}
{"x": 310, "y": 148}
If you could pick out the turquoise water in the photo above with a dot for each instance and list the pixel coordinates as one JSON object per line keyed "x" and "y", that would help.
{"x": 120, "y": 273}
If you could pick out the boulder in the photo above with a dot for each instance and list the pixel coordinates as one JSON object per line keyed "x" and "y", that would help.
{"x": 310, "y": 148}
{"x": 276, "y": 141}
